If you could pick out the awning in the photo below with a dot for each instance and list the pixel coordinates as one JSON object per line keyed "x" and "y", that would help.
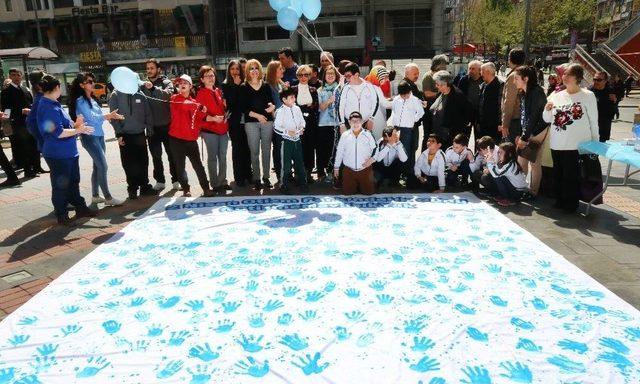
{"x": 466, "y": 49}
{"x": 29, "y": 53}
{"x": 160, "y": 59}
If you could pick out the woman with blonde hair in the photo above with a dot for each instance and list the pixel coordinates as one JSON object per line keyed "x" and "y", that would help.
{"x": 258, "y": 116}
{"x": 275, "y": 73}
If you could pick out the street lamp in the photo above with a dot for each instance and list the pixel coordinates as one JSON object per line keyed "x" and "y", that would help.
{"x": 527, "y": 28}
{"x": 35, "y": 9}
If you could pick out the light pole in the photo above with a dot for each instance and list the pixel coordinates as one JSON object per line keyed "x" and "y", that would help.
{"x": 527, "y": 28}
{"x": 35, "y": 9}
{"x": 212, "y": 30}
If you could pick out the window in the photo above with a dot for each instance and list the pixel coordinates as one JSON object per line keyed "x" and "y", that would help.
{"x": 405, "y": 29}
{"x": 63, "y": 3}
{"x": 274, "y": 32}
{"x": 253, "y": 34}
{"x": 41, "y": 4}
{"x": 8, "y": 5}
{"x": 320, "y": 29}
{"x": 90, "y": 2}
{"x": 345, "y": 28}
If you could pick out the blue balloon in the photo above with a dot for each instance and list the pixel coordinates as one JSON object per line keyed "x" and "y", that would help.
{"x": 125, "y": 80}
{"x": 277, "y": 5}
{"x": 288, "y": 19}
{"x": 297, "y": 6}
{"x": 311, "y": 9}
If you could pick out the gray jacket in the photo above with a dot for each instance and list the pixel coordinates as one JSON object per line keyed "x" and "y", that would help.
{"x": 136, "y": 111}
{"x": 162, "y": 89}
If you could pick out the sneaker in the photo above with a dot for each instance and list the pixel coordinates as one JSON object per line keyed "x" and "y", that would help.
{"x": 186, "y": 193}
{"x": 85, "y": 212}
{"x": 208, "y": 193}
{"x": 10, "y": 183}
{"x": 113, "y": 202}
{"x": 158, "y": 187}
{"x": 257, "y": 185}
{"x": 66, "y": 221}
{"x": 505, "y": 202}
{"x": 175, "y": 186}
{"x": 266, "y": 183}
{"x": 148, "y": 192}
{"x": 97, "y": 200}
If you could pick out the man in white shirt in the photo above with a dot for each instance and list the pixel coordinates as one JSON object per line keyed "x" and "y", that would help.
{"x": 390, "y": 158}
{"x": 355, "y": 150}
{"x": 357, "y": 96}
{"x": 407, "y": 112}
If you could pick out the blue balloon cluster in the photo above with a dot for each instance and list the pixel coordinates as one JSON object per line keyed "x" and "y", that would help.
{"x": 125, "y": 80}
{"x": 290, "y": 11}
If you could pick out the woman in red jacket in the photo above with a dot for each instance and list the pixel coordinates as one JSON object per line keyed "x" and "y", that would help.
{"x": 186, "y": 118}
{"x": 214, "y": 129}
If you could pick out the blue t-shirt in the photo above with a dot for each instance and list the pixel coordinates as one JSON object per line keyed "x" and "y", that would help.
{"x": 290, "y": 75}
{"x": 52, "y": 120}
{"x": 92, "y": 114}
{"x": 32, "y": 121}
{"x": 328, "y": 116}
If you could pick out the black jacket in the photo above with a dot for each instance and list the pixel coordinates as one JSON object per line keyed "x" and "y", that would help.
{"x": 606, "y": 107}
{"x": 534, "y": 103}
{"x": 16, "y": 99}
{"x": 311, "y": 113}
{"x": 490, "y": 110}
{"x": 456, "y": 114}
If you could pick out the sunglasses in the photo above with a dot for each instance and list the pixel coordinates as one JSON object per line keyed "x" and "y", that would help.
{"x": 304, "y": 75}
{"x": 254, "y": 68}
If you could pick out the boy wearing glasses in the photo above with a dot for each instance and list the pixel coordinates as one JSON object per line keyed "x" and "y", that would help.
{"x": 290, "y": 125}
{"x": 355, "y": 150}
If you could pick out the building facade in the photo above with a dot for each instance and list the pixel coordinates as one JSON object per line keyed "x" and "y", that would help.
{"x": 98, "y": 35}
{"x": 614, "y": 15}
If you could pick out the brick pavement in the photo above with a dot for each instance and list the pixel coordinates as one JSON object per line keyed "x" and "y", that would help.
{"x": 605, "y": 244}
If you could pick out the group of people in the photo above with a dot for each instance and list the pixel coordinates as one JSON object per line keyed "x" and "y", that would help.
{"x": 354, "y": 132}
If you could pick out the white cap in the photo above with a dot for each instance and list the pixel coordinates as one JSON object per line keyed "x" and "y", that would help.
{"x": 186, "y": 78}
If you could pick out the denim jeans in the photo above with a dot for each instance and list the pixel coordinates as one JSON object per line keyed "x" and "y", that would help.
{"x": 216, "y": 157}
{"x": 96, "y": 148}
{"x": 259, "y": 138}
{"x": 65, "y": 185}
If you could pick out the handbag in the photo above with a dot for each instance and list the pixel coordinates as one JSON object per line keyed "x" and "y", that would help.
{"x": 530, "y": 152}
{"x": 590, "y": 178}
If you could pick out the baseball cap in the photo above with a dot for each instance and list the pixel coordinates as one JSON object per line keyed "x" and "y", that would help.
{"x": 186, "y": 78}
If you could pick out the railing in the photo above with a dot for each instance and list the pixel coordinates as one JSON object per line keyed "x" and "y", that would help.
{"x": 620, "y": 61}
{"x": 132, "y": 45}
{"x": 585, "y": 58}
{"x": 625, "y": 34}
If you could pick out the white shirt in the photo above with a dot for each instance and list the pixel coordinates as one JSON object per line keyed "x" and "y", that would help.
{"x": 480, "y": 161}
{"x": 511, "y": 172}
{"x": 304, "y": 95}
{"x": 289, "y": 119}
{"x": 362, "y": 98}
{"x": 406, "y": 112}
{"x": 388, "y": 153}
{"x": 436, "y": 168}
{"x": 573, "y": 118}
{"x": 354, "y": 150}
{"x": 453, "y": 158}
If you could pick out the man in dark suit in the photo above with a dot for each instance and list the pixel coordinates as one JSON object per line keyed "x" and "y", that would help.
{"x": 489, "y": 109}
{"x": 18, "y": 99}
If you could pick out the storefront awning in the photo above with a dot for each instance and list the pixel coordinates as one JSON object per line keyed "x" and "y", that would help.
{"x": 29, "y": 53}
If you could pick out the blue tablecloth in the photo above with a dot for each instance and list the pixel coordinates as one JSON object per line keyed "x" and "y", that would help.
{"x": 613, "y": 150}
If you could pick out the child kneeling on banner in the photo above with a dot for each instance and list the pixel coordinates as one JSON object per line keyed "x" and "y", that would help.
{"x": 390, "y": 158}
{"x": 355, "y": 150}
{"x": 485, "y": 147}
{"x": 290, "y": 124}
{"x": 503, "y": 177}
{"x": 429, "y": 168}
{"x": 457, "y": 159}
{"x": 186, "y": 118}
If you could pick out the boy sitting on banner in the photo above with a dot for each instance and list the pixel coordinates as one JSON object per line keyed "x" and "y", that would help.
{"x": 457, "y": 159}
{"x": 289, "y": 124}
{"x": 355, "y": 150}
{"x": 429, "y": 168}
{"x": 390, "y": 158}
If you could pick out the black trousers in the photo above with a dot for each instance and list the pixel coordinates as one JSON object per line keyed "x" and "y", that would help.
{"x": 135, "y": 161}
{"x": 500, "y": 187}
{"x": 276, "y": 154}
{"x": 240, "y": 154}
{"x": 565, "y": 178}
{"x": 182, "y": 149}
{"x": 309, "y": 144}
{"x": 6, "y": 166}
{"x": 604, "y": 127}
{"x": 26, "y": 151}
{"x": 291, "y": 151}
{"x": 391, "y": 172}
{"x": 326, "y": 140}
{"x": 65, "y": 185}
{"x": 432, "y": 184}
{"x": 161, "y": 138}
{"x": 463, "y": 172}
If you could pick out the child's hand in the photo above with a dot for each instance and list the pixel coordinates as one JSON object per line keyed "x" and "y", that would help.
{"x": 422, "y": 179}
{"x": 291, "y": 133}
{"x": 301, "y": 131}
{"x": 453, "y": 168}
{"x": 470, "y": 157}
{"x": 485, "y": 171}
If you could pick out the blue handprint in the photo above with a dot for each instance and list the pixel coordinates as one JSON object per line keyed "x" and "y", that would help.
{"x": 518, "y": 373}
{"x": 138, "y": 301}
{"x": 229, "y": 281}
{"x": 494, "y": 268}
{"x": 230, "y": 306}
{"x": 93, "y": 367}
{"x": 219, "y": 297}
{"x": 329, "y": 287}
{"x": 201, "y": 375}
{"x": 426, "y": 284}
{"x": 476, "y": 375}
{"x": 528, "y": 283}
{"x": 18, "y": 339}
{"x": 308, "y": 315}
{"x": 184, "y": 283}
{"x": 464, "y": 309}
{"x": 563, "y": 290}
{"x": 7, "y": 375}
{"x": 310, "y": 365}
{"x": 352, "y": 293}
{"x": 539, "y": 304}
{"x": 47, "y": 349}
{"x": 522, "y": 323}
{"x": 365, "y": 340}
{"x": 70, "y": 329}
{"x": 632, "y": 333}
{"x": 178, "y": 337}
{"x": 224, "y": 326}
{"x": 30, "y": 379}
{"x": 142, "y": 316}
{"x": 195, "y": 305}
{"x": 477, "y": 335}
{"x": 425, "y": 364}
{"x": 215, "y": 274}
{"x": 566, "y": 365}
{"x": 326, "y": 270}
{"x": 341, "y": 333}
{"x": 251, "y": 286}
{"x": 43, "y": 363}
{"x": 468, "y": 275}
{"x": 28, "y": 320}
{"x": 618, "y": 360}
{"x": 111, "y": 326}
{"x": 416, "y": 299}
{"x": 252, "y": 367}
{"x": 436, "y": 380}
{"x": 127, "y": 291}
{"x": 250, "y": 344}
{"x": 170, "y": 369}
{"x": 528, "y": 345}
{"x": 384, "y": 299}
{"x": 168, "y": 303}
{"x": 114, "y": 282}
{"x": 497, "y": 300}
{"x": 421, "y": 344}
{"x": 416, "y": 325}
{"x": 155, "y": 330}
{"x": 377, "y": 285}
{"x": 111, "y": 305}
{"x": 141, "y": 346}
{"x": 314, "y": 296}
{"x": 285, "y": 319}
{"x": 614, "y": 344}
{"x": 355, "y": 316}
{"x": 182, "y": 272}
{"x": 278, "y": 279}
{"x": 256, "y": 320}
{"x": 69, "y": 309}
{"x": 290, "y": 291}
{"x": 460, "y": 288}
{"x": 90, "y": 295}
{"x": 361, "y": 275}
{"x": 272, "y": 305}
{"x": 442, "y": 299}
{"x": 573, "y": 346}
{"x": 204, "y": 352}
{"x": 154, "y": 280}
{"x": 294, "y": 342}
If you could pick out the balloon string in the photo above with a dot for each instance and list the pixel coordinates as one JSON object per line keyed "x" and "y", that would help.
{"x": 193, "y": 117}
{"x": 315, "y": 42}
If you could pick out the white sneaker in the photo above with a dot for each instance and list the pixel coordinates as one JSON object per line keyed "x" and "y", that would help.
{"x": 97, "y": 200}
{"x": 158, "y": 187}
{"x": 113, "y": 202}
{"x": 176, "y": 186}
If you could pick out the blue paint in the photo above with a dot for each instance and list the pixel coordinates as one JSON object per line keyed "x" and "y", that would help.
{"x": 18, "y": 340}
{"x": 230, "y": 306}
{"x": 111, "y": 326}
{"x": 203, "y": 352}
{"x": 329, "y": 287}
{"x": 155, "y": 330}
{"x": 355, "y": 316}
{"x": 177, "y": 338}
{"x": 252, "y": 367}
{"x": 497, "y": 300}
{"x": 539, "y": 304}
{"x": 285, "y": 319}
{"x": 476, "y": 375}
{"x": 460, "y": 288}
{"x": 295, "y": 342}
{"x": 272, "y": 305}
{"x": 384, "y": 299}
{"x": 93, "y": 367}
{"x": 421, "y": 344}
{"x": 170, "y": 369}
{"x": 415, "y": 299}
{"x": 477, "y": 335}
{"x": 69, "y": 309}
{"x": 426, "y": 284}
{"x": 201, "y": 375}
{"x": 250, "y": 343}
{"x": 562, "y": 290}
{"x": 425, "y": 364}
{"x": 195, "y": 305}
{"x": 365, "y": 340}
{"x": 290, "y": 291}
{"x": 464, "y": 309}
{"x": 28, "y": 320}
{"x": 138, "y": 301}
{"x": 90, "y": 295}
{"x": 442, "y": 299}
{"x": 573, "y": 346}
{"x": 361, "y": 275}
{"x": 342, "y": 333}
{"x": 168, "y": 303}
{"x": 47, "y": 349}
{"x": 70, "y": 329}
{"x": 310, "y": 365}
{"x": 567, "y": 365}
{"x": 522, "y": 324}
{"x": 256, "y": 320}
{"x": 518, "y": 372}
{"x": 142, "y": 316}
{"x": 314, "y": 296}
{"x": 416, "y": 325}
{"x": 377, "y": 285}
{"x": 619, "y": 361}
